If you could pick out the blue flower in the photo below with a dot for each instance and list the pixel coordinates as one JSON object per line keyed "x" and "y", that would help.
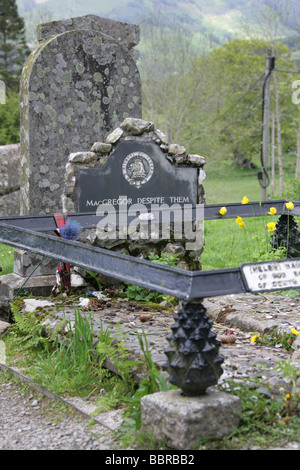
{"x": 71, "y": 230}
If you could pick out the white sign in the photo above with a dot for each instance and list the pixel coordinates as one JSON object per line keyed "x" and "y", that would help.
{"x": 272, "y": 275}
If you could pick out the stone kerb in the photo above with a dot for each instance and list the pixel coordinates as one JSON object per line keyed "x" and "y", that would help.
{"x": 135, "y": 130}
{"x": 78, "y": 84}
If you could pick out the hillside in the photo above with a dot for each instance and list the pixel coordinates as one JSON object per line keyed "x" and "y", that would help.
{"x": 218, "y": 20}
{"x": 221, "y": 18}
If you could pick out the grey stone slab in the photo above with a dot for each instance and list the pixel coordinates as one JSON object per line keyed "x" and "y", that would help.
{"x": 181, "y": 421}
{"x": 5, "y": 311}
{"x": 25, "y": 262}
{"x": 4, "y": 326}
{"x": 36, "y": 285}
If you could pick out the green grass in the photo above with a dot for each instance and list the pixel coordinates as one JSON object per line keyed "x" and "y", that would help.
{"x": 228, "y": 246}
{"x": 231, "y": 189}
{"x": 6, "y": 259}
{"x": 226, "y": 183}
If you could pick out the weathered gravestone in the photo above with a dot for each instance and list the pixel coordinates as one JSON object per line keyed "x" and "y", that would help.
{"x": 80, "y": 83}
{"x": 144, "y": 189}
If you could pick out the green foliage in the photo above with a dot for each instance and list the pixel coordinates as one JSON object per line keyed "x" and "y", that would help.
{"x": 167, "y": 259}
{"x": 138, "y": 293}
{"x": 276, "y": 338}
{"x": 13, "y": 48}
{"x": 262, "y": 250}
{"x": 134, "y": 292}
{"x": 292, "y": 190}
{"x": 153, "y": 382}
{"x": 289, "y": 371}
{"x": 10, "y": 119}
{"x": 263, "y": 421}
{"x": 29, "y": 331}
{"x": 70, "y": 366}
{"x": 95, "y": 278}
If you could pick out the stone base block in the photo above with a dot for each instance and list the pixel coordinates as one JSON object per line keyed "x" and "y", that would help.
{"x": 4, "y": 326}
{"x": 181, "y": 421}
{"x": 25, "y": 262}
{"x": 5, "y": 310}
{"x": 39, "y": 285}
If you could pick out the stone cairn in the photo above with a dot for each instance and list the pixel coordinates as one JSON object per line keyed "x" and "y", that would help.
{"x": 137, "y": 130}
{"x": 193, "y": 360}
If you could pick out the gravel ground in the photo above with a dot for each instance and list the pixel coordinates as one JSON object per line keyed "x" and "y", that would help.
{"x": 30, "y": 421}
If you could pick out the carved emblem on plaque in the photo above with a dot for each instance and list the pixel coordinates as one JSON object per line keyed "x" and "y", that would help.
{"x": 137, "y": 168}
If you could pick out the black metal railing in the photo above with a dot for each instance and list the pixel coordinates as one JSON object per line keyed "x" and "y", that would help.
{"x": 193, "y": 360}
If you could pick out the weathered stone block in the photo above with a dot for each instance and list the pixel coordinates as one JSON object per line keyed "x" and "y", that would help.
{"x": 4, "y": 326}
{"x": 182, "y": 421}
{"x": 11, "y": 283}
{"x": 25, "y": 262}
{"x": 100, "y": 147}
{"x": 5, "y": 311}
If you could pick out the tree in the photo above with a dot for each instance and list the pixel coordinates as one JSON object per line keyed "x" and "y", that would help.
{"x": 232, "y": 112}
{"x": 13, "y": 48}
{"x": 167, "y": 58}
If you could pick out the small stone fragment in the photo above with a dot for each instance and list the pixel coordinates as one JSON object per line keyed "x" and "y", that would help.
{"x": 82, "y": 157}
{"x": 136, "y": 126}
{"x": 101, "y": 147}
{"x": 114, "y": 136}
{"x": 176, "y": 149}
{"x": 197, "y": 160}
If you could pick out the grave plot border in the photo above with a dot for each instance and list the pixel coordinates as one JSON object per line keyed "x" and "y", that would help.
{"x": 193, "y": 360}
{"x": 24, "y": 232}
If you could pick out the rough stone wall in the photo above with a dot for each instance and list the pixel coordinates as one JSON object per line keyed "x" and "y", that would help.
{"x": 9, "y": 179}
{"x": 140, "y": 131}
{"x": 75, "y": 87}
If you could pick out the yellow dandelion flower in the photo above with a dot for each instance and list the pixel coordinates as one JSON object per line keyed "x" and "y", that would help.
{"x": 272, "y": 211}
{"x": 254, "y": 338}
{"x": 289, "y": 205}
{"x": 271, "y": 226}
{"x": 238, "y": 220}
{"x": 245, "y": 200}
{"x": 294, "y": 331}
{"x": 223, "y": 211}
{"x": 241, "y": 224}
{"x": 288, "y": 395}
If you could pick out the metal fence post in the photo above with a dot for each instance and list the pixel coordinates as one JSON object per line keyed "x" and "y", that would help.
{"x": 193, "y": 360}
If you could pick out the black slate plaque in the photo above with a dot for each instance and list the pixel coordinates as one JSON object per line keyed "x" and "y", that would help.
{"x": 139, "y": 173}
